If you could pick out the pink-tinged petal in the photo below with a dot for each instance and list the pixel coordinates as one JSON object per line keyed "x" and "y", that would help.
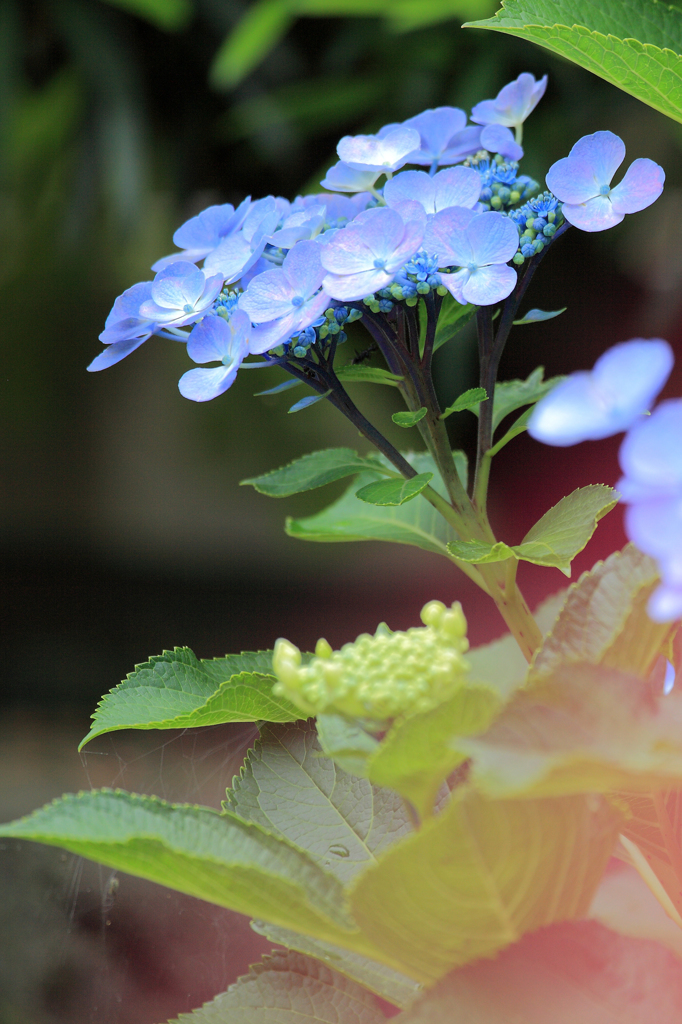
{"x": 641, "y": 186}
{"x": 604, "y": 151}
{"x": 651, "y": 454}
{"x": 382, "y": 230}
{"x": 202, "y": 385}
{"x": 408, "y": 246}
{"x": 209, "y": 340}
{"x": 313, "y": 308}
{"x": 455, "y": 283}
{"x": 268, "y": 297}
{"x": 351, "y": 287}
{"x": 488, "y": 285}
{"x": 596, "y": 215}
{"x": 270, "y": 335}
{"x": 347, "y": 252}
{"x": 439, "y": 232}
{"x": 456, "y": 186}
{"x": 303, "y": 268}
{"x": 116, "y": 352}
{"x": 494, "y": 238}
{"x": 342, "y": 178}
{"x": 572, "y": 181}
{"x": 413, "y": 186}
{"x": 485, "y": 112}
{"x": 665, "y": 604}
{"x": 178, "y": 285}
{"x": 496, "y": 138}
{"x": 187, "y": 255}
{"x": 411, "y": 211}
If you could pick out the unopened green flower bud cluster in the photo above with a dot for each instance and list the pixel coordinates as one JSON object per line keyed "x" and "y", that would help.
{"x": 379, "y": 677}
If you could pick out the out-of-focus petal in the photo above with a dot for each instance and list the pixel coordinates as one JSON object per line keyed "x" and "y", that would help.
{"x": 342, "y": 178}
{"x": 202, "y": 385}
{"x": 513, "y": 103}
{"x": 665, "y": 604}
{"x": 656, "y": 527}
{"x": 651, "y": 453}
{"x": 436, "y": 127}
{"x": 369, "y": 153}
{"x": 641, "y": 186}
{"x": 116, "y": 352}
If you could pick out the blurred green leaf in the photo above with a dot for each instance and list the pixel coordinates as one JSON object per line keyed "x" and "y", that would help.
{"x": 393, "y": 492}
{"x": 391, "y": 985}
{"x": 289, "y": 988}
{"x": 288, "y": 787}
{"x": 195, "y": 850}
{"x": 263, "y": 25}
{"x": 311, "y": 471}
{"x": 345, "y": 742}
{"x": 176, "y": 691}
{"x": 43, "y": 121}
{"x": 452, "y": 318}
{"x": 474, "y": 396}
{"x": 534, "y": 316}
{"x": 574, "y": 973}
{"x": 170, "y": 15}
{"x": 358, "y": 374}
{"x": 633, "y": 44}
{"x": 408, "y": 419}
{"x": 480, "y": 874}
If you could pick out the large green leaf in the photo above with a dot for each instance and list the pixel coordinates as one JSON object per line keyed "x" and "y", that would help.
{"x": 421, "y": 751}
{"x": 604, "y": 620}
{"x": 583, "y": 729}
{"x": 289, "y": 988}
{"x": 289, "y": 788}
{"x": 310, "y": 471}
{"x": 215, "y": 857}
{"x": 344, "y": 740}
{"x": 416, "y": 522}
{"x": 555, "y": 539}
{"x": 575, "y": 973}
{"x": 482, "y": 873}
{"x": 389, "y": 984}
{"x": 634, "y": 44}
{"x": 176, "y": 691}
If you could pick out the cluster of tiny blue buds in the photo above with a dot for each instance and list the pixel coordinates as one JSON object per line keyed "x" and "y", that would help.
{"x": 502, "y": 184}
{"x": 422, "y": 270}
{"x": 537, "y": 221}
{"x": 226, "y": 302}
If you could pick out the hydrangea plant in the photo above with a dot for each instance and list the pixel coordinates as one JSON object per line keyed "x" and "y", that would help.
{"x": 421, "y": 826}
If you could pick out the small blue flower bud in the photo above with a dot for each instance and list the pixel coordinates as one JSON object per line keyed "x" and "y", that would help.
{"x": 385, "y": 306}
{"x": 549, "y": 230}
{"x": 539, "y": 224}
{"x": 300, "y": 351}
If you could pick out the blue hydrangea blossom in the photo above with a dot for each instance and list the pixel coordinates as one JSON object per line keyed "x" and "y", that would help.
{"x": 374, "y": 153}
{"x": 220, "y": 340}
{"x": 582, "y": 181}
{"x": 180, "y": 294}
{"x": 606, "y": 400}
{"x": 513, "y": 103}
{"x": 481, "y": 248}
{"x": 287, "y": 299}
{"x": 124, "y": 329}
{"x": 342, "y": 178}
{"x": 238, "y": 253}
{"x": 200, "y": 235}
{"x": 444, "y": 136}
{"x": 454, "y": 186}
{"x": 364, "y": 257}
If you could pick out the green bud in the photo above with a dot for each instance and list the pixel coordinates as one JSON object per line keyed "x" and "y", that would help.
{"x": 379, "y": 677}
{"x": 442, "y": 290}
{"x": 496, "y": 203}
{"x": 551, "y": 216}
{"x": 518, "y": 259}
{"x": 412, "y": 301}
{"x": 514, "y": 196}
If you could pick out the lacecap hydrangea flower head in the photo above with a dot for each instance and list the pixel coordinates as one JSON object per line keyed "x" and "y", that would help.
{"x": 435, "y": 206}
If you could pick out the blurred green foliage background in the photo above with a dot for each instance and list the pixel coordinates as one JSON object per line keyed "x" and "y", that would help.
{"x": 122, "y": 526}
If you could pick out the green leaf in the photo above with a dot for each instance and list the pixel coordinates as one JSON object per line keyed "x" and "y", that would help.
{"x": 170, "y": 15}
{"x": 289, "y": 788}
{"x": 574, "y": 973}
{"x": 346, "y": 742}
{"x": 310, "y": 471}
{"x": 480, "y": 874}
{"x": 409, "y": 419}
{"x": 583, "y": 729}
{"x": 397, "y": 988}
{"x": 289, "y": 988}
{"x": 355, "y": 374}
{"x": 304, "y": 403}
{"x": 177, "y": 691}
{"x": 474, "y": 396}
{"x": 604, "y": 620}
{"x": 514, "y": 394}
{"x": 393, "y": 492}
{"x": 197, "y": 851}
{"x": 420, "y": 752}
{"x": 517, "y": 427}
{"x": 633, "y": 44}
{"x": 262, "y": 26}
{"x": 452, "y": 318}
{"x": 349, "y": 519}
{"x": 564, "y": 531}
{"x": 534, "y": 316}
{"x": 479, "y": 552}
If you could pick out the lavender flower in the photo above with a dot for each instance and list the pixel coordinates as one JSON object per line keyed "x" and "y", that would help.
{"x": 455, "y": 186}
{"x": 480, "y": 244}
{"x": 225, "y": 341}
{"x": 180, "y": 294}
{"x": 374, "y": 153}
{"x": 342, "y": 178}
{"x": 364, "y": 257}
{"x": 582, "y": 181}
{"x": 287, "y": 299}
{"x": 200, "y": 235}
{"x": 238, "y": 253}
{"x": 513, "y": 103}
{"x": 124, "y": 329}
{"x": 597, "y": 403}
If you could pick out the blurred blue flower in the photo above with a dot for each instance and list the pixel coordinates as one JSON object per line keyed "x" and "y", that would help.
{"x": 180, "y": 294}
{"x": 582, "y": 181}
{"x": 513, "y": 103}
{"x": 225, "y": 341}
{"x": 287, "y": 299}
{"x": 364, "y": 257}
{"x": 597, "y": 403}
{"x": 382, "y": 154}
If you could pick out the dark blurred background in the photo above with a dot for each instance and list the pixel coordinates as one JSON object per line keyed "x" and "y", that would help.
{"x": 123, "y": 529}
